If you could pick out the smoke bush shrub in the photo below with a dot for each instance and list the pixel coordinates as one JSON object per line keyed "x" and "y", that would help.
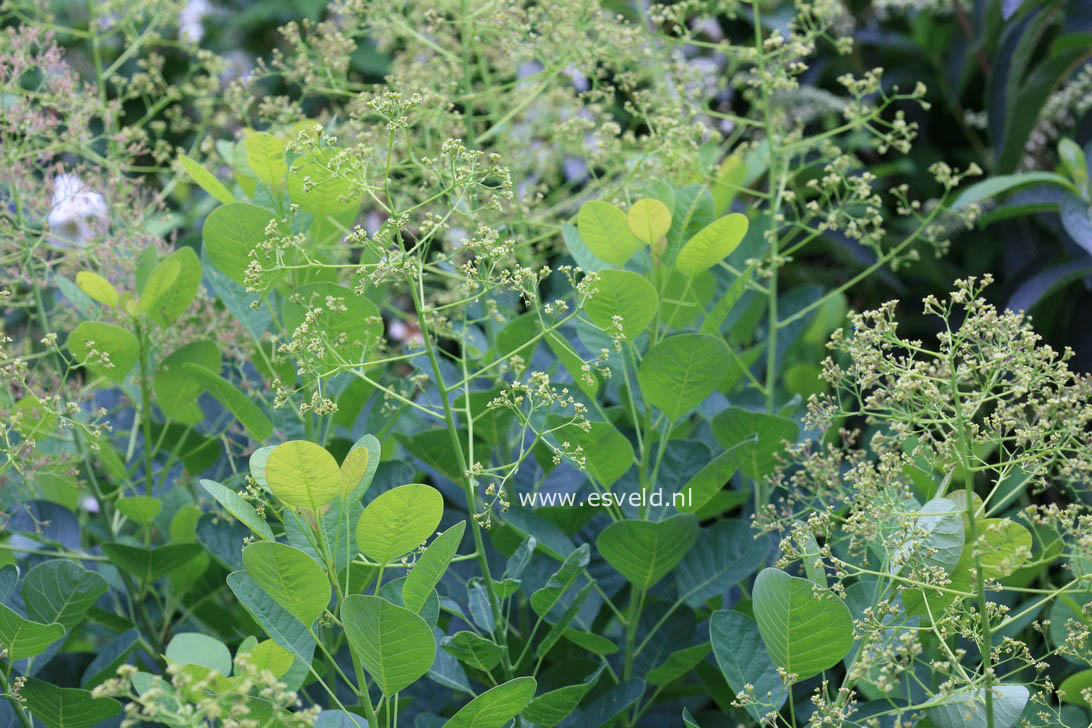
{"x": 461, "y": 364}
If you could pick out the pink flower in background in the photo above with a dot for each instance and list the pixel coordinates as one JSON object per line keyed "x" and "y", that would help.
{"x": 77, "y": 214}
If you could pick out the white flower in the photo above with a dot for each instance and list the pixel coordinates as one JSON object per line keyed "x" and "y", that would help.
{"x": 190, "y": 21}
{"x": 78, "y": 213}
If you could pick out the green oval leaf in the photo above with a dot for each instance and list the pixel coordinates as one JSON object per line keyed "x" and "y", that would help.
{"x": 723, "y": 555}
{"x": 265, "y": 156}
{"x": 803, "y": 633}
{"x": 60, "y": 591}
{"x": 303, "y": 474}
{"x": 292, "y": 578}
{"x": 23, "y": 637}
{"x": 176, "y": 390}
{"x": 1004, "y": 546}
{"x": 318, "y": 190}
{"x": 149, "y": 564}
{"x": 677, "y": 664}
{"x": 626, "y": 295}
{"x": 398, "y": 521}
{"x": 268, "y": 655}
{"x": 194, "y": 648}
{"x": 743, "y": 660}
{"x": 139, "y": 508}
{"x": 938, "y": 536}
{"x": 545, "y": 598}
{"x": 712, "y": 244}
{"x": 176, "y": 298}
{"x": 97, "y": 287}
{"x": 66, "y": 707}
{"x": 604, "y": 231}
{"x": 395, "y": 645}
{"x": 231, "y": 231}
{"x": 755, "y": 439}
{"x": 966, "y": 708}
{"x": 105, "y": 349}
{"x": 645, "y": 551}
{"x": 681, "y": 371}
{"x": 349, "y": 323}
{"x": 477, "y": 652}
{"x": 649, "y": 220}
{"x": 549, "y": 709}
{"x": 1071, "y": 689}
{"x": 159, "y": 282}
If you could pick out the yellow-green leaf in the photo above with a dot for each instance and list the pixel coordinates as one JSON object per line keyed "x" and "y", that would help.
{"x": 205, "y": 179}
{"x": 649, "y": 219}
{"x": 265, "y": 155}
{"x": 397, "y": 521}
{"x": 140, "y": 508}
{"x": 97, "y": 287}
{"x": 712, "y": 244}
{"x": 603, "y": 230}
{"x": 303, "y": 475}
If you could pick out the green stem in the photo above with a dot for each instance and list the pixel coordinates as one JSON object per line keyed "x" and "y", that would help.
{"x": 16, "y": 706}
{"x": 467, "y": 481}
{"x": 145, "y": 409}
{"x": 985, "y": 645}
{"x": 635, "y": 604}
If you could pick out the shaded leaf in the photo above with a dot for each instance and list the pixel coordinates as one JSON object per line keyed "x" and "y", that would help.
{"x": 66, "y": 707}
{"x": 645, "y": 551}
{"x": 60, "y": 591}
{"x": 803, "y": 633}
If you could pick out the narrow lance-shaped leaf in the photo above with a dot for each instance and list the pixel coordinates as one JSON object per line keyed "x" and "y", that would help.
{"x": 248, "y": 413}
{"x": 430, "y": 567}
{"x": 495, "y": 707}
{"x": 234, "y": 504}
{"x": 205, "y": 179}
